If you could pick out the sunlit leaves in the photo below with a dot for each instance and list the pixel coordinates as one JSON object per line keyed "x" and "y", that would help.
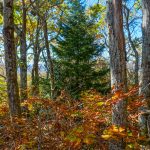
{"x": 1, "y": 19}
{"x": 71, "y": 125}
{"x": 100, "y": 103}
{"x": 98, "y": 11}
{"x": 89, "y": 139}
{"x": 114, "y": 132}
{"x": 3, "y": 88}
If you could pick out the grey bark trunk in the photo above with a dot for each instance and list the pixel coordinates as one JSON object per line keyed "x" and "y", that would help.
{"x": 146, "y": 51}
{"x": 50, "y": 62}
{"x": 118, "y": 66}
{"x": 145, "y": 90}
{"x": 23, "y": 53}
{"x": 10, "y": 59}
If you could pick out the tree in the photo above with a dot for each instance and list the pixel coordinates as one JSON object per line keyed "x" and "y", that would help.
{"x": 117, "y": 65}
{"x": 45, "y": 10}
{"x": 10, "y": 59}
{"x": 145, "y": 90}
{"x": 133, "y": 45}
{"x": 35, "y": 69}
{"x": 50, "y": 61}
{"x": 37, "y": 48}
{"x": 77, "y": 51}
{"x": 23, "y": 53}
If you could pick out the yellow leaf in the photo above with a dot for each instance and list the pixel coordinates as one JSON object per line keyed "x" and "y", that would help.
{"x": 88, "y": 140}
{"x": 100, "y": 103}
{"x": 30, "y": 107}
{"x": 106, "y": 137}
{"x": 1, "y": 19}
{"x": 116, "y": 129}
{"x": 121, "y": 129}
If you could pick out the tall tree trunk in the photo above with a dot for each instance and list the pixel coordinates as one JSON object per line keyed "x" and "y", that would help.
{"x": 145, "y": 90}
{"x": 35, "y": 69}
{"x": 50, "y": 62}
{"x": 46, "y": 65}
{"x": 23, "y": 53}
{"x": 35, "y": 74}
{"x": 118, "y": 66}
{"x": 10, "y": 59}
{"x": 136, "y": 68}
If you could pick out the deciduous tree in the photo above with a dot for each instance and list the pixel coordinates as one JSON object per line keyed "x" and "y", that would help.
{"x": 10, "y": 58}
{"x": 145, "y": 90}
{"x": 117, "y": 65}
{"x": 23, "y": 53}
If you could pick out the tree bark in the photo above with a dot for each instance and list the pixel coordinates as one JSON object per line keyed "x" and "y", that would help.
{"x": 35, "y": 74}
{"x": 35, "y": 69}
{"x": 146, "y": 51}
{"x": 117, "y": 66}
{"x": 23, "y": 53}
{"x": 145, "y": 89}
{"x": 10, "y": 59}
{"x": 50, "y": 62}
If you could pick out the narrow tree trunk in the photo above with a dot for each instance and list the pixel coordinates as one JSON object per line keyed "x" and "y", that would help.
{"x": 50, "y": 62}
{"x": 118, "y": 66}
{"x": 35, "y": 69}
{"x": 145, "y": 90}
{"x": 10, "y": 59}
{"x": 35, "y": 74}
{"x": 23, "y": 53}
{"x": 46, "y": 65}
{"x": 136, "y": 68}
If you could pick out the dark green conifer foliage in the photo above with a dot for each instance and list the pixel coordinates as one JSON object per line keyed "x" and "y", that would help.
{"x": 77, "y": 52}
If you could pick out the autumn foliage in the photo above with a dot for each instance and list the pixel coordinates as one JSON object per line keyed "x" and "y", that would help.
{"x": 68, "y": 124}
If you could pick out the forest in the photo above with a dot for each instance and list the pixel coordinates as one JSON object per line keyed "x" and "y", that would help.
{"x": 74, "y": 74}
